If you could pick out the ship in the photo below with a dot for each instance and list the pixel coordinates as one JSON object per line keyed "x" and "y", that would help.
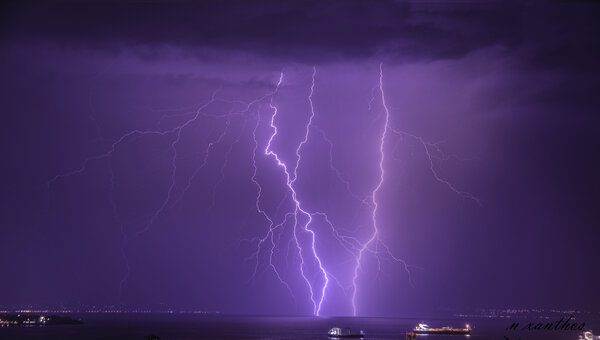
{"x": 336, "y": 333}
{"x": 588, "y": 336}
{"x": 425, "y": 329}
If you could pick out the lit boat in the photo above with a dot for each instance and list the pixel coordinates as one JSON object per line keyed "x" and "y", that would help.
{"x": 337, "y": 333}
{"x": 425, "y": 329}
{"x": 588, "y": 336}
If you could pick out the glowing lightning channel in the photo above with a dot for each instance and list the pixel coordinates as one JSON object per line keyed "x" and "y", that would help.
{"x": 374, "y": 239}
{"x": 374, "y": 202}
{"x": 312, "y": 233}
{"x": 271, "y": 227}
{"x": 298, "y": 207}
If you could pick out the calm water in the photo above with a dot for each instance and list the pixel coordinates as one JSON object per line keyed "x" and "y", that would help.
{"x": 188, "y": 327}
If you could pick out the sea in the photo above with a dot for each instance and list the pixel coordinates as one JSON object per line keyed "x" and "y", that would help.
{"x": 191, "y": 327}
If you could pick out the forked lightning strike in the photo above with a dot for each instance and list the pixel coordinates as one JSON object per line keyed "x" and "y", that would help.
{"x": 304, "y": 239}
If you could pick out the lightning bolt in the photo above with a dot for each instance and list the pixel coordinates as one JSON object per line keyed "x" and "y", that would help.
{"x": 306, "y": 226}
{"x": 374, "y": 239}
{"x": 298, "y": 210}
{"x": 303, "y": 219}
{"x": 272, "y": 227}
{"x": 374, "y": 202}
{"x": 290, "y": 217}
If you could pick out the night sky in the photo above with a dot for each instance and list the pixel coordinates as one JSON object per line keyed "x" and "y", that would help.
{"x": 141, "y": 141}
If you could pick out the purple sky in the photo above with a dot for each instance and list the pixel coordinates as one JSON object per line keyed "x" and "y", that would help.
{"x": 490, "y": 188}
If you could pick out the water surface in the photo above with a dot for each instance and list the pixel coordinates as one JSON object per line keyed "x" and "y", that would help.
{"x": 189, "y": 327}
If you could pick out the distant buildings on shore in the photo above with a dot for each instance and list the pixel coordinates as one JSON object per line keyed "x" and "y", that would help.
{"x": 523, "y": 312}
{"x": 110, "y": 309}
{"x": 8, "y": 320}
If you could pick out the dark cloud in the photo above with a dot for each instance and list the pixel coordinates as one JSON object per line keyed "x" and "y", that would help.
{"x": 562, "y": 35}
{"x": 292, "y": 29}
{"x": 553, "y": 34}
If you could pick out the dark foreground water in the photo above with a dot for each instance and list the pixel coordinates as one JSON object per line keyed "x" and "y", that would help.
{"x": 188, "y": 327}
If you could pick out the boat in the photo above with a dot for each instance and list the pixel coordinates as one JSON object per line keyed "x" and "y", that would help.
{"x": 588, "y": 336}
{"x": 337, "y": 333}
{"x": 425, "y": 329}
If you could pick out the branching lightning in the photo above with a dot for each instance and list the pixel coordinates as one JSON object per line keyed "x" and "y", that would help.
{"x": 427, "y": 147}
{"x": 291, "y": 229}
{"x": 374, "y": 202}
{"x": 317, "y": 301}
